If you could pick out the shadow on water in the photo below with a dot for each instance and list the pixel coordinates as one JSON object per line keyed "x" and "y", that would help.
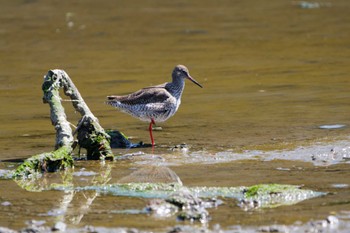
{"x": 274, "y": 107}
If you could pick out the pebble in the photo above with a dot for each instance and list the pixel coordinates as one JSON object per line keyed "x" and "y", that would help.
{"x": 339, "y": 186}
{"x": 59, "y": 226}
{"x": 6, "y": 203}
{"x": 332, "y": 220}
{"x": 336, "y": 126}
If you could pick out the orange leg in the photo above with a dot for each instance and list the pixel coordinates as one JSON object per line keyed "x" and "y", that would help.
{"x": 150, "y": 130}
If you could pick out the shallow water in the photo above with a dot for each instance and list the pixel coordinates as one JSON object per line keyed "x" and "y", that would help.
{"x": 273, "y": 74}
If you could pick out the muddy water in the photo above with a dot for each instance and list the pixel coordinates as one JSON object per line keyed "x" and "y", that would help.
{"x": 272, "y": 71}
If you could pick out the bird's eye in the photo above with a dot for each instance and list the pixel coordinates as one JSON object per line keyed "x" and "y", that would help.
{"x": 54, "y": 77}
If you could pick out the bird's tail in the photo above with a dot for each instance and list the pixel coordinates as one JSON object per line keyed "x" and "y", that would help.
{"x": 112, "y": 100}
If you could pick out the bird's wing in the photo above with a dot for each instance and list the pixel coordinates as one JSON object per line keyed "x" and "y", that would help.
{"x": 156, "y": 94}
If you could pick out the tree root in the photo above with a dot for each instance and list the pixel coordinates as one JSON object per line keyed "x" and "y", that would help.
{"x": 90, "y": 135}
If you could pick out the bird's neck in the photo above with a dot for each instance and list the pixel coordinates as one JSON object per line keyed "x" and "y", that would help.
{"x": 176, "y": 87}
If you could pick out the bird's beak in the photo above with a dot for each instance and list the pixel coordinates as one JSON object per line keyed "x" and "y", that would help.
{"x": 194, "y": 81}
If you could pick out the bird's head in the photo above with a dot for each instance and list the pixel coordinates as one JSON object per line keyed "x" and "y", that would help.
{"x": 181, "y": 71}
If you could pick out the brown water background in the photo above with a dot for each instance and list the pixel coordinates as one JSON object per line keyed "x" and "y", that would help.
{"x": 272, "y": 72}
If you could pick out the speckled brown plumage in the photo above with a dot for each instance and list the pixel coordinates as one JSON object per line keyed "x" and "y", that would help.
{"x": 156, "y": 103}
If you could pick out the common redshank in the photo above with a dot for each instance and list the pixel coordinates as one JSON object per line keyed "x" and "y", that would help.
{"x": 156, "y": 103}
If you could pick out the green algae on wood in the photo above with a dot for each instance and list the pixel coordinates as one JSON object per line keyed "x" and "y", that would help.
{"x": 50, "y": 87}
{"x": 90, "y": 134}
{"x": 94, "y": 140}
{"x": 59, "y": 159}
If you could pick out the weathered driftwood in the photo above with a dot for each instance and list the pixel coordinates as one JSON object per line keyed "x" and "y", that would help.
{"x": 50, "y": 87}
{"x": 61, "y": 158}
{"x": 90, "y": 134}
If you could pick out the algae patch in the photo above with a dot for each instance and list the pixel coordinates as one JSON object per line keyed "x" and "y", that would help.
{"x": 267, "y": 189}
{"x": 47, "y": 162}
{"x": 252, "y": 197}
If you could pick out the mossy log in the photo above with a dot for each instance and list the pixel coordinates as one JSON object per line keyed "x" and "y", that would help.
{"x": 90, "y": 134}
{"x": 46, "y": 162}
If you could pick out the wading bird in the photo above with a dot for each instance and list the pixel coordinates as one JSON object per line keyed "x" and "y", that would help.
{"x": 156, "y": 103}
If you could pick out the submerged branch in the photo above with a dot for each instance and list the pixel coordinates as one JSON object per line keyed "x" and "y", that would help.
{"x": 90, "y": 134}
{"x": 46, "y": 162}
{"x": 50, "y": 87}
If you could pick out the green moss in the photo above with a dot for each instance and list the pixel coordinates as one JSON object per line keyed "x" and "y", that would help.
{"x": 94, "y": 140}
{"x": 46, "y": 162}
{"x": 266, "y": 189}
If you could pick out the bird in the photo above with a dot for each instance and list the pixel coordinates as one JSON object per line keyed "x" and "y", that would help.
{"x": 155, "y": 103}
